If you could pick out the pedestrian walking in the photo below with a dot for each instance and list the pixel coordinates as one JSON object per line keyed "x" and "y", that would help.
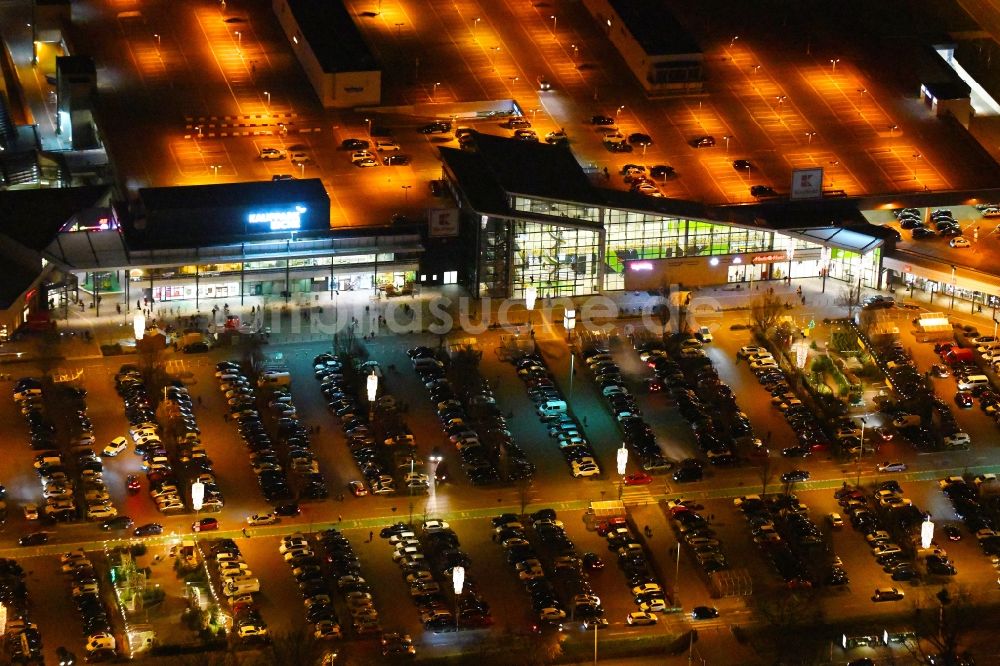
{"x": 245, "y": 533}
{"x": 371, "y": 537}
{"x": 711, "y": 516}
{"x": 199, "y": 401}
{"x": 340, "y": 518}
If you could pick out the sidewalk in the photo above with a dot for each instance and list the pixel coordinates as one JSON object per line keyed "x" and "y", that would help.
{"x": 288, "y": 323}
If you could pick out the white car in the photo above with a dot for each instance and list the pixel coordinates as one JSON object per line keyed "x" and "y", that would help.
{"x": 385, "y": 145}
{"x": 262, "y": 519}
{"x": 959, "y": 439}
{"x": 891, "y": 467}
{"x": 704, "y": 334}
{"x": 115, "y": 446}
{"x": 435, "y": 526}
{"x": 236, "y": 573}
{"x": 641, "y": 618}
{"x": 272, "y": 154}
{"x": 31, "y": 511}
{"x": 359, "y": 155}
{"x": 299, "y": 157}
{"x": 582, "y": 469}
{"x": 752, "y": 349}
{"x": 101, "y": 512}
{"x": 959, "y": 241}
{"x": 763, "y": 364}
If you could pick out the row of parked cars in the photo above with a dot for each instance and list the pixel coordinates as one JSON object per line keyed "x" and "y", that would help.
{"x": 787, "y": 538}
{"x": 343, "y": 402}
{"x": 307, "y": 568}
{"x": 239, "y": 393}
{"x": 473, "y": 423}
{"x": 429, "y": 563}
{"x": 510, "y": 533}
{"x": 21, "y": 640}
{"x": 54, "y": 477}
{"x": 694, "y": 530}
{"x": 647, "y": 590}
{"x": 941, "y": 224}
{"x": 706, "y": 402}
{"x": 975, "y": 504}
{"x": 553, "y": 410}
{"x": 85, "y": 590}
{"x": 239, "y": 585}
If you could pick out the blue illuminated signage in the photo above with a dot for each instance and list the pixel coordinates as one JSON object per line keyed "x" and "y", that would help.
{"x": 279, "y": 220}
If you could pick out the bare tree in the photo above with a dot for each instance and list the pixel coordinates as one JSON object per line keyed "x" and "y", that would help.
{"x": 941, "y": 628}
{"x": 785, "y": 614}
{"x": 765, "y": 310}
{"x": 765, "y": 472}
{"x": 524, "y": 494}
{"x": 850, "y": 298}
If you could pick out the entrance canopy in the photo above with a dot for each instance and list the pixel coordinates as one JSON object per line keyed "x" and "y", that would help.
{"x": 844, "y": 239}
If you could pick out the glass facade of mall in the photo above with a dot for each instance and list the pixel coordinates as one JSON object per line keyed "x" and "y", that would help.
{"x": 563, "y": 249}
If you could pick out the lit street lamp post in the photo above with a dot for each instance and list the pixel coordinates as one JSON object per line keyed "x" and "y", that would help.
{"x": 861, "y": 445}
{"x": 268, "y": 96}
{"x": 810, "y": 135}
{"x": 555, "y": 20}
{"x": 618, "y": 113}
{"x": 530, "y": 296}
{"x": 569, "y": 322}
{"x": 406, "y": 193}
{"x": 239, "y": 40}
{"x": 157, "y": 36}
{"x": 458, "y": 581}
{"x": 622, "y": 460}
{"x": 726, "y": 139}
{"x": 371, "y": 385}
{"x": 833, "y": 62}
{"x": 435, "y": 90}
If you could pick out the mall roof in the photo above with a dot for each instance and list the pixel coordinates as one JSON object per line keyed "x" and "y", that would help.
{"x": 654, "y": 27}
{"x": 498, "y": 165}
{"x": 334, "y": 39}
{"x": 33, "y": 218}
{"x": 223, "y": 195}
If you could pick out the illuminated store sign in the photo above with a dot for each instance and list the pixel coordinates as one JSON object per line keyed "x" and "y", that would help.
{"x": 640, "y": 266}
{"x": 279, "y": 220}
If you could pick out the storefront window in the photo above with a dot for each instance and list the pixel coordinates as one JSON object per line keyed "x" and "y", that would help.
{"x": 557, "y": 261}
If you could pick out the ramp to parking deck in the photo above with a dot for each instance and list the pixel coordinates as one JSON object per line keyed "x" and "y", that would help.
{"x": 480, "y": 109}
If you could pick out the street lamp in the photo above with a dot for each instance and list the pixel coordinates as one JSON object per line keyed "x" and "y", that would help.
{"x": 435, "y": 90}
{"x": 268, "y": 96}
{"x": 569, "y": 321}
{"x": 239, "y": 40}
{"x": 555, "y": 20}
{"x": 726, "y": 139}
{"x": 458, "y": 581}
{"x": 157, "y": 36}
{"x": 406, "y": 193}
{"x": 435, "y": 459}
{"x": 475, "y": 24}
{"x": 862, "y": 91}
{"x": 893, "y": 128}
{"x": 139, "y": 325}
{"x": 622, "y": 460}
{"x": 215, "y": 170}
{"x": 576, "y": 52}
{"x": 372, "y": 387}
{"x": 755, "y": 68}
{"x": 954, "y": 285}
{"x": 530, "y": 296}
{"x": 618, "y": 113}
{"x": 733, "y": 40}
{"x": 926, "y": 532}
{"x": 302, "y": 169}
{"x": 916, "y": 158}
{"x": 810, "y": 135}
{"x": 833, "y": 62}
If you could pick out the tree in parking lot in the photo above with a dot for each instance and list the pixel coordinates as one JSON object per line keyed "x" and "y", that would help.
{"x": 765, "y": 310}
{"x": 941, "y": 627}
{"x": 850, "y": 298}
{"x": 786, "y": 614}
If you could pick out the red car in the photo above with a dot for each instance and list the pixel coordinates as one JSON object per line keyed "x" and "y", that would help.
{"x": 610, "y": 524}
{"x": 963, "y": 399}
{"x": 638, "y": 479}
{"x": 205, "y": 524}
{"x": 654, "y": 385}
{"x": 357, "y": 488}
{"x": 133, "y": 484}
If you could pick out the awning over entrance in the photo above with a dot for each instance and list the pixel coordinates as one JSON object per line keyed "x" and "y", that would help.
{"x": 844, "y": 239}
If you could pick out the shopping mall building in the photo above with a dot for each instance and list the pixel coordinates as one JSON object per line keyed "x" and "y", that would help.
{"x": 516, "y": 214}
{"x": 531, "y": 217}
